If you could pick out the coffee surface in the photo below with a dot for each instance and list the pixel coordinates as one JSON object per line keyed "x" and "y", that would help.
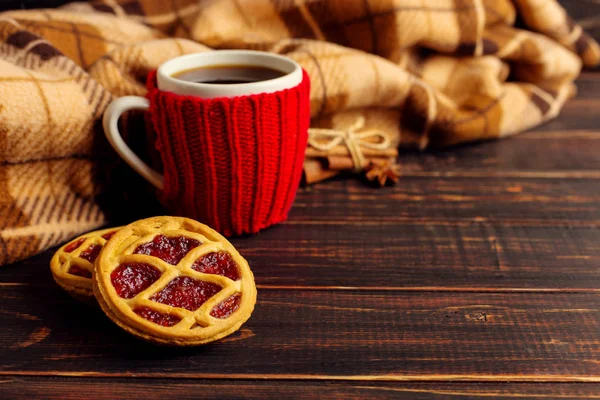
{"x": 229, "y": 74}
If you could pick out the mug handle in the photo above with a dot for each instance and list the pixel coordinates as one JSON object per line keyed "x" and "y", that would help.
{"x": 111, "y": 130}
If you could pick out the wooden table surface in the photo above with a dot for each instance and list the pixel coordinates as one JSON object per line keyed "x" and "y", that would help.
{"x": 477, "y": 276}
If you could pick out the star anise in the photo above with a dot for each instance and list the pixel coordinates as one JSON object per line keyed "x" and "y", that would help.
{"x": 383, "y": 173}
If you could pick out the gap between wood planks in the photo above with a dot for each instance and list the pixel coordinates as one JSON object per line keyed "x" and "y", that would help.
{"x": 308, "y": 377}
{"x": 591, "y": 224}
{"x": 428, "y": 289}
{"x": 457, "y": 289}
{"x": 226, "y": 388}
{"x": 562, "y": 134}
{"x": 570, "y": 174}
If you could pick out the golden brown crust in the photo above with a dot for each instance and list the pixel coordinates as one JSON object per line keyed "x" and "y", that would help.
{"x": 79, "y": 287}
{"x": 195, "y": 327}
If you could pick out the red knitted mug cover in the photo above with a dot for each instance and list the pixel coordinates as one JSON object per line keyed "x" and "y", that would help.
{"x": 232, "y": 163}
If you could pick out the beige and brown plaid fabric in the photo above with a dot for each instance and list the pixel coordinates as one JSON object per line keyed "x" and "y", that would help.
{"x": 423, "y": 72}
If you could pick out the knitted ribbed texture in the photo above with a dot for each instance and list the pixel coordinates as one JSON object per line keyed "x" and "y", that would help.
{"x": 232, "y": 163}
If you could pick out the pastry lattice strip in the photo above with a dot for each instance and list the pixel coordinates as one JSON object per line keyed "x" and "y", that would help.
{"x": 67, "y": 259}
{"x": 169, "y": 272}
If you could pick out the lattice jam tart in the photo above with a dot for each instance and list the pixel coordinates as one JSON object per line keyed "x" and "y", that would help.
{"x": 73, "y": 264}
{"x": 174, "y": 281}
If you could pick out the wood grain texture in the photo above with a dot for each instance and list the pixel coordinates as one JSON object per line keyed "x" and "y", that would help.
{"x": 545, "y": 155}
{"x": 113, "y": 389}
{"x": 477, "y": 256}
{"x": 476, "y": 277}
{"x": 302, "y": 334}
{"x": 462, "y": 200}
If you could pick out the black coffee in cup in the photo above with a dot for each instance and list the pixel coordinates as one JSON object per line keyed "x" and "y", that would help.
{"x": 229, "y": 74}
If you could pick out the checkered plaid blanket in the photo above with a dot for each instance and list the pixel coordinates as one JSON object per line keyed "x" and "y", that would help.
{"x": 421, "y": 72}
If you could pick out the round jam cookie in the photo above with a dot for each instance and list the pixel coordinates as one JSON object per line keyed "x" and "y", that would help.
{"x": 175, "y": 281}
{"x": 73, "y": 264}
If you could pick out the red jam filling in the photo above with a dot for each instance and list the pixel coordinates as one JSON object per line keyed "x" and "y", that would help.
{"x": 131, "y": 278}
{"x": 218, "y": 264}
{"x": 91, "y": 253}
{"x": 186, "y": 292}
{"x": 227, "y": 307}
{"x": 75, "y": 270}
{"x": 170, "y": 250}
{"x": 74, "y": 245}
{"x": 108, "y": 235}
{"x": 156, "y": 317}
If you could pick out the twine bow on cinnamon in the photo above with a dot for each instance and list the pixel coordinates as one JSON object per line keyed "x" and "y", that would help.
{"x": 327, "y": 139}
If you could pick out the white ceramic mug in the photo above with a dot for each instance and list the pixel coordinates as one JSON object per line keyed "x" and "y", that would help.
{"x": 167, "y": 82}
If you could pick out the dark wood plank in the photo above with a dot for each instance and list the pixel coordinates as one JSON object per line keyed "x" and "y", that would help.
{"x": 478, "y": 256}
{"x": 572, "y": 202}
{"x": 430, "y": 257}
{"x": 447, "y": 251}
{"x": 588, "y": 84}
{"x": 537, "y": 154}
{"x": 335, "y": 335}
{"x": 429, "y": 233}
{"x": 112, "y": 389}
